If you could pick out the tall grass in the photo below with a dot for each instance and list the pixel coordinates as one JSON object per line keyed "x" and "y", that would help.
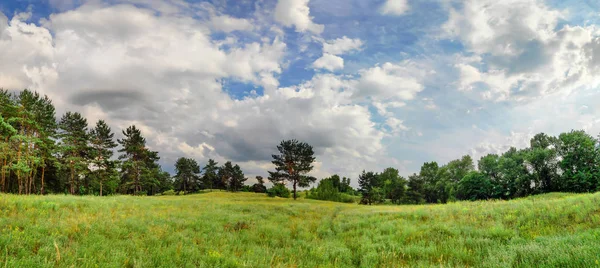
{"x": 250, "y": 230}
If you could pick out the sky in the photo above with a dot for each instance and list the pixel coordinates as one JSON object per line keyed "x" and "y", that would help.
{"x": 369, "y": 84}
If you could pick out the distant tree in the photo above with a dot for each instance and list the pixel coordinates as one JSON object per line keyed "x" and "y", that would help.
{"x": 187, "y": 175}
{"x": 514, "y": 177}
{"x": 139, "y": 168}
{"x": 543, "y": 163}
{"x": 415, "y": 194}
{"x": 237, "y": 180}
{"x": 102, "y": 145}
{"x": 75, "y": 148}
{"x": 345, "y": 187}
{"x": 165, "y": 182}
{"x": 293, "y": 162}
{"x": 259, "y": 187}
{"x": 327, "y": 190}
{"x": 394, "y": 185}
{"x": 278, "y": 190}
{"x": 579, "y": 157}
{"x": 489, "y": 166}
{"x": 370, "y": 188}
{"x": 474, "y": 186}
{"x": 431, "y": 182}
{"x": 210, "y": 179}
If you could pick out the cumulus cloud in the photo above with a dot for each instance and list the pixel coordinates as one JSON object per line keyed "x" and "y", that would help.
{"x": 526, "y": 53}
{"x": 342, "y": 45}
{"x": 163, "y": 72}
{"x": 329, "y": 62}
{"x": 296, "y": 13}
{"x": 227, "y": 24}
{"x": 394, "y": 7}
{"x": 390, "y": 82}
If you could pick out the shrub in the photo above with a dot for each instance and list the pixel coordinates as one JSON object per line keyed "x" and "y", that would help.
{"x": 169, "y": 192}
{"x": 259, "y": 188}
{"x": 280, "y": 190}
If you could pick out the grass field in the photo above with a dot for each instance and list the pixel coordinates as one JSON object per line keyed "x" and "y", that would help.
{"x": 250, "y": 230}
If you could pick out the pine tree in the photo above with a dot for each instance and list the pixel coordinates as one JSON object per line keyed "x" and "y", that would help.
{"x": 226, "y": 173}
{"x": 210, "y": 179}
{"x": 139, "y": 167}
{"x": 75, "y": 148}
{"x": 188, "y": 174}
{"x": 237, "y": 179}
{"x": 292, "y": 164}
{"x": 102, "y": 143}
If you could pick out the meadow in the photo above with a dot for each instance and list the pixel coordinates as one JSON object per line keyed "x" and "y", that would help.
{"x": 220, "y": 229}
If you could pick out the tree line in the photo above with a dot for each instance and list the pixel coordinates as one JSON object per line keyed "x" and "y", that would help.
{"x": 569, "y": 162}
{"x": 40, "y": 154}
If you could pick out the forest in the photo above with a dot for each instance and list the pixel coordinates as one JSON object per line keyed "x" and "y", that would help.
{"x": 41, "y": 154}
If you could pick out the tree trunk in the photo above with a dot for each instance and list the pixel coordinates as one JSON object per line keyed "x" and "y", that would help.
{"x": 72, "y": 186}
{"x": 295, "y": 190}
{"x": 42, "y": 188}
{"x": 100, "y": 188}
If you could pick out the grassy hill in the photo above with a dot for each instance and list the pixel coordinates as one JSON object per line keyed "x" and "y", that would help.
{"x": 251, "y": 230}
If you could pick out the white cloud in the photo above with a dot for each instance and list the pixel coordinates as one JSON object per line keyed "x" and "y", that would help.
{"x": 162, "y": 72}
{"x": 394, "y": 7}
{"x": 342, "y": 45}
{"x": 329, "y": 62}
{"x": 390, "y": 82}
{"x": 395, "y": 125}
{"x": 227, "y": 24}
{"x": 296, "y": 13}
{"x": 526, "y": 56}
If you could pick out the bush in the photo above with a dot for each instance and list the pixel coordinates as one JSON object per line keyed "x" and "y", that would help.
{"x": 327, "y": 191}
{"x": 280, "y": 190}
{"x": 169, "y": 192}
{"x": 259, "y": 188}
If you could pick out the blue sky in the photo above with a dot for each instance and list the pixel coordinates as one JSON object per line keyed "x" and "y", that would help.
{"x": 370, "y": 84}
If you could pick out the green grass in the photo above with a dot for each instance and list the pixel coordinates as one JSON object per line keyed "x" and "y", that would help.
{"x": 250, "y": 230}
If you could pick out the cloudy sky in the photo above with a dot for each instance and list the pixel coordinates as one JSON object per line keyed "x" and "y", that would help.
{"x": 369, "y": 83}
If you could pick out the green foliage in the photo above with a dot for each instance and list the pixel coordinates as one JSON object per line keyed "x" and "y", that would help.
{"x": 278, "y": 190}
{"x": 293, "y": 162}
{"x": 232, "y": 176}
{"x": 210, "y": 179}
{"x": 259, "y": 187}
{"x": 474, "y": 186}
{"x": 578, "y": 161}
{"x": 169, "y": 192}
{"x": 139, "y": 170}
{"x": 370, "y": 188}
{"x": 187, "y": 178}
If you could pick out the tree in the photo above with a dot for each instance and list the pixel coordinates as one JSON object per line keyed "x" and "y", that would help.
{"x": 237, "y": 179}
{"x": 75, "y": 148}
{"x": 345, "y": 187}
{"x": 429, "y": 174}
{"x": 579, "y": 162}
{"x": 543, "y": 163}
{"x": 187, "y": 175}
{"x": 489, "y": 166}
{"x": 514, "y": 177}
{"x": 102, "y": 145}
{"x": 415, "y": 194}
{"x": 278, "y": 190}
{"x": 293, "y": 162}
{"x": 139, "y": 166}
{"x": 394, "y": 185}
{"x": 210, "y": 179}
{"x": 259, "y": 187}
{"x": 370, "y": 188}
{"x": 474, "y": 186}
